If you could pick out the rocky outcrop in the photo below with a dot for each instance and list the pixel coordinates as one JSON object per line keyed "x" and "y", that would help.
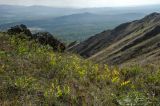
{"x": 44, "y": 38}
{"x": 18, "y": 29}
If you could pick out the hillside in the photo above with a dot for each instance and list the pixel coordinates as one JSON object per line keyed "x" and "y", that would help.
{"x": 34, "y": 74}
{"x": 136, "y": 41}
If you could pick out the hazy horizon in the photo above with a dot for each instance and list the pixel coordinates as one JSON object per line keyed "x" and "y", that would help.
{"x": 81, "y": 3}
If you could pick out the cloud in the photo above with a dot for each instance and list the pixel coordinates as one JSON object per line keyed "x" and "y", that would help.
{"x": 81, "y": 3}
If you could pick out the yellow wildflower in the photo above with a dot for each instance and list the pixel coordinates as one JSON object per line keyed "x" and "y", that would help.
{"x": 125, "y": 83}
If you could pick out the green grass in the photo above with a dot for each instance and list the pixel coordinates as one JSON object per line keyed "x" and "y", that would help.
{"x": 32, "y": 74}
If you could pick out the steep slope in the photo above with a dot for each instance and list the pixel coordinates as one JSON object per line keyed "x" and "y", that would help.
{"x": 127, "y": 42}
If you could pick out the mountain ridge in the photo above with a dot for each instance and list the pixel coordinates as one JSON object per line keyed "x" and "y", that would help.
{"x": 120, "y": 45}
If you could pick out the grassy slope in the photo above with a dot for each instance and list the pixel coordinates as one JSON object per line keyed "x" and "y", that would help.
{"x": 132, "y": 42}
{"x": 116, "y": 54}
{"x": 32, "y": 74}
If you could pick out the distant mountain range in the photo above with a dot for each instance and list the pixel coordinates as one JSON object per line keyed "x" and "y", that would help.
{"x": 13, "y": 13}
{"x": 10, "y": 13}
{"x": 76, "y": 26}
{"x": 71, "y": 24}
{"x": 129, "y": 43}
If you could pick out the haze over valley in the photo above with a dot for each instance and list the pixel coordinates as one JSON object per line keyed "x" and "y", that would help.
{"x": 71, "y": 24}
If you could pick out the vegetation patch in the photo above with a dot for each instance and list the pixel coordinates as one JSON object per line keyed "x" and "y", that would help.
{"x": 33, "y": 74}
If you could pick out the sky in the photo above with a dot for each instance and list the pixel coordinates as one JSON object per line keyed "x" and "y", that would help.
{"x": 81, "y": 3}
